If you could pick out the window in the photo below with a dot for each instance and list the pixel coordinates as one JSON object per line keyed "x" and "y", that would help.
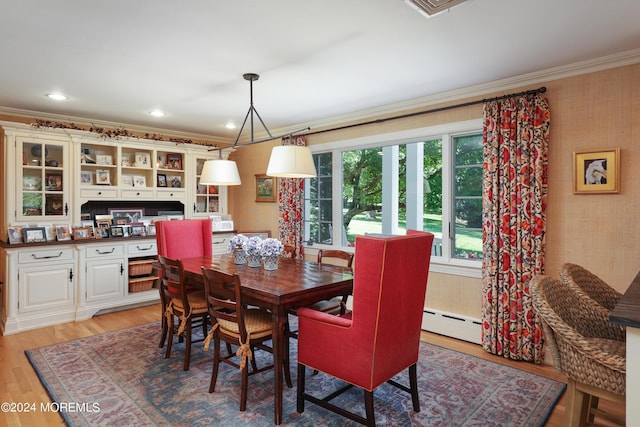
{"x": 428, "y": 179}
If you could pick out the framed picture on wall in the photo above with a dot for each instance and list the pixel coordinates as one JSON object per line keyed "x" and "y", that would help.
{"x": 266, "y": 188}
{"x": 596, "y": 172}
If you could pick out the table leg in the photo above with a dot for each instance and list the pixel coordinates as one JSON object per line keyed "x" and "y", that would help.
{"x": 278, "y": 344}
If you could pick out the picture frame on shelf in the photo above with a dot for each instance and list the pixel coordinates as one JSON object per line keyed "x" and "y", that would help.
{"x": 117, "y": 231}
{"x": 176, "y": 181}
{"x": 266, "y": 188}
{"x": 143, "y": 159}
{"x": 86, "y": 177}
{"x": 103, "y": 177}
{"x": 102, "y": 232}
{"x": 34, "y": 234}
{"x": 139, "y": 181}
{"x": 161, "y": 180}
{"x": 49, "y": 231}
{"x": 138, "y": 230}
{"x": 151, "y": 230}
{"x": 126, "y": 180}
{"x": 126, "y": 215}
{"x": 104, "y": 159}
{"x": 596, "y": 172}
{"x": 81, "y": 233}
{"x": 63, "y": 233}
{"x": 53, "y": 182}
{"x": 88, "y": 155}
{"x": 105, "y": 219}
{"x": 174, "y": 161}
{"x": 162, "y": 161}
{"x": 14, "y": 233}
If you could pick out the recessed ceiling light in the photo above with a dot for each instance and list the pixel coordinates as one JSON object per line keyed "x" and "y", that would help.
{"x": 230, "y": 126}
{"x": 57, "y": 96}
{"x": 156, "y": 113}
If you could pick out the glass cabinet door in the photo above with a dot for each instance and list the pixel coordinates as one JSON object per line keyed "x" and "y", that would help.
{"x": 208, "y": 197}
{"x": 43, "y": 183}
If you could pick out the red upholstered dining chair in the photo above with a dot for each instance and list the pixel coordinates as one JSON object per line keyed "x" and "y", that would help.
{"x": 183, "y": 305}
{"x": 182, "y": 239}
{"x": 236, "y": 324}
{"x": 380, "y": 337}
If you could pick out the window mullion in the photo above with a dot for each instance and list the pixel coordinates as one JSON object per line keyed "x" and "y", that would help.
{"x": 447, "y": 192}
{"x": 338, "y": 202}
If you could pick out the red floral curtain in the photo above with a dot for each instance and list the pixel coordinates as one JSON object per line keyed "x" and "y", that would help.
{"x": 516, "y": 140}
{"x": 290, "y": 205}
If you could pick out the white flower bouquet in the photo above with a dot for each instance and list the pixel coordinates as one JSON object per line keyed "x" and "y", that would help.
{"x": 252, "y": 245}
{"x": 237, "y": 242}
{"x": 271, "y": 247}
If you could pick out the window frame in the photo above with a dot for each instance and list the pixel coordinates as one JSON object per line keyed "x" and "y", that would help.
{"x": 446, "y": 263}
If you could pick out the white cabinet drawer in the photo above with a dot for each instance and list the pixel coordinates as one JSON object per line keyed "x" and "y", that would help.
{"x": 98, "y": 251}
{"x": 137, "y": 194}
{"x": 99, "y": 193}
{"x": 142, "y": 248}
{"x": 43, "y": 255}
{"x": 171, "y": 194}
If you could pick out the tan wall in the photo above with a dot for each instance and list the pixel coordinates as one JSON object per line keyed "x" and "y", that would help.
{"x": 593, "y": 111}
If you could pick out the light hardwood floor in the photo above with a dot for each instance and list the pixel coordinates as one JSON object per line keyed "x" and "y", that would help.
{"x": 19, "y": 383}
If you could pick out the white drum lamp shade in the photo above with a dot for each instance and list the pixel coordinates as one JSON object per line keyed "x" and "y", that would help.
{"x": 220, "y": 172}
{"x": 291, "y": 161}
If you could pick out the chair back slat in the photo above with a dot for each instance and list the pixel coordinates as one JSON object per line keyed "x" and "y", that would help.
{"x": 323, "y": 254}
{"x": 224, "y": 298}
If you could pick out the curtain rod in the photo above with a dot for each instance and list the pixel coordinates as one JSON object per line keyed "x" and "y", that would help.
{"x": 434, "y": 110}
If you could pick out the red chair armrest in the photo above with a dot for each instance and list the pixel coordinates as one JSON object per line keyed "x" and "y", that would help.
{"x": 321, "y": 317}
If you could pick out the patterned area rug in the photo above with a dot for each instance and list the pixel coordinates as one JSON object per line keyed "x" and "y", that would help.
{"x": 122, "y": 378}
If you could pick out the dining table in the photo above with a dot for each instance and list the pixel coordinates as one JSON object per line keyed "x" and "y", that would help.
{"x": 296, "y": 283}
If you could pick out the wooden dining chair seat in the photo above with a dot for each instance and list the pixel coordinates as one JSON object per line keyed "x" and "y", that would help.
{"x": 235, "y": 324}
{"x": 187, "y": 308}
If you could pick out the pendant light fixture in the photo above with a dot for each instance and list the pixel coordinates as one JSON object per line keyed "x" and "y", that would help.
{"x": 286, "y": 161}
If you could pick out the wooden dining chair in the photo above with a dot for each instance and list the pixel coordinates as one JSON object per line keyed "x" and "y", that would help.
{"x": 381, "y": 336}
{"x": 182, "y": 239}
{"x": 235, "y": 324}
{"x": 181, "y": 305}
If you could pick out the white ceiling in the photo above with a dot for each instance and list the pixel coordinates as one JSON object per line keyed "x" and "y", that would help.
{"x": 318, "y": 61}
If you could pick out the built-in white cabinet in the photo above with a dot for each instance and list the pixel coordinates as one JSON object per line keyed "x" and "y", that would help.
{"x": 105, "y": 271}
{"x": 49, "y": 174}
{"x": 40, "y": 287}
{"x": 43, "y": 179}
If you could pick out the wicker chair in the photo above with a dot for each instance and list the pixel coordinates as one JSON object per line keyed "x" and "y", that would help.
{"x": 585, "y": 347}
{"x": 596, "y": 288}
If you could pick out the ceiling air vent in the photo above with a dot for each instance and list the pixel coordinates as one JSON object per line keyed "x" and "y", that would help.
{"x": 432, "y": 7}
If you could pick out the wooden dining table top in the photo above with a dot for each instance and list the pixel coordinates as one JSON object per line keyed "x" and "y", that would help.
{"x": 295, "y": 283}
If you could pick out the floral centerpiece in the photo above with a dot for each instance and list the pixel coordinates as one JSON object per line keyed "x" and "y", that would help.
{"x": 251, "y": 248}
{"x": 235, "y": 246}
{"x": 237, "y": 242}
{"x": 270, "y": 250}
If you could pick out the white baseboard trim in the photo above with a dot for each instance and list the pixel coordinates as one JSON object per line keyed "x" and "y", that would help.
{"x": 452, "y": 325}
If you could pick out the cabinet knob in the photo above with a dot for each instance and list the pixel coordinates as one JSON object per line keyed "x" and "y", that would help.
{"x": 99, "y": 193}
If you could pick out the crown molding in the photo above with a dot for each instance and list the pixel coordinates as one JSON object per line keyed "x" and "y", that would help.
{"x": 544, "y": 76}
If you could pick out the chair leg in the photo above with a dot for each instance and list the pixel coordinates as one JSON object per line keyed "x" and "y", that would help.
{"x": 243, "y": 389}
{"x": 254, "y": 365}
{"x": 368, "y": 405}
{"x": 413, "y": 384}
{"x": 163, "y": 336}
{"x": 300, "y": 389}
{"x": 170, "y": 329}
{"x": 187, "y": 351}
{"x": 216, "y": 363}
{"x": 575, "y": 414}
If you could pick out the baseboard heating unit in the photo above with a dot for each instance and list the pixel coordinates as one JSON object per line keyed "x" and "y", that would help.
{"x": 452, "y": 325}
